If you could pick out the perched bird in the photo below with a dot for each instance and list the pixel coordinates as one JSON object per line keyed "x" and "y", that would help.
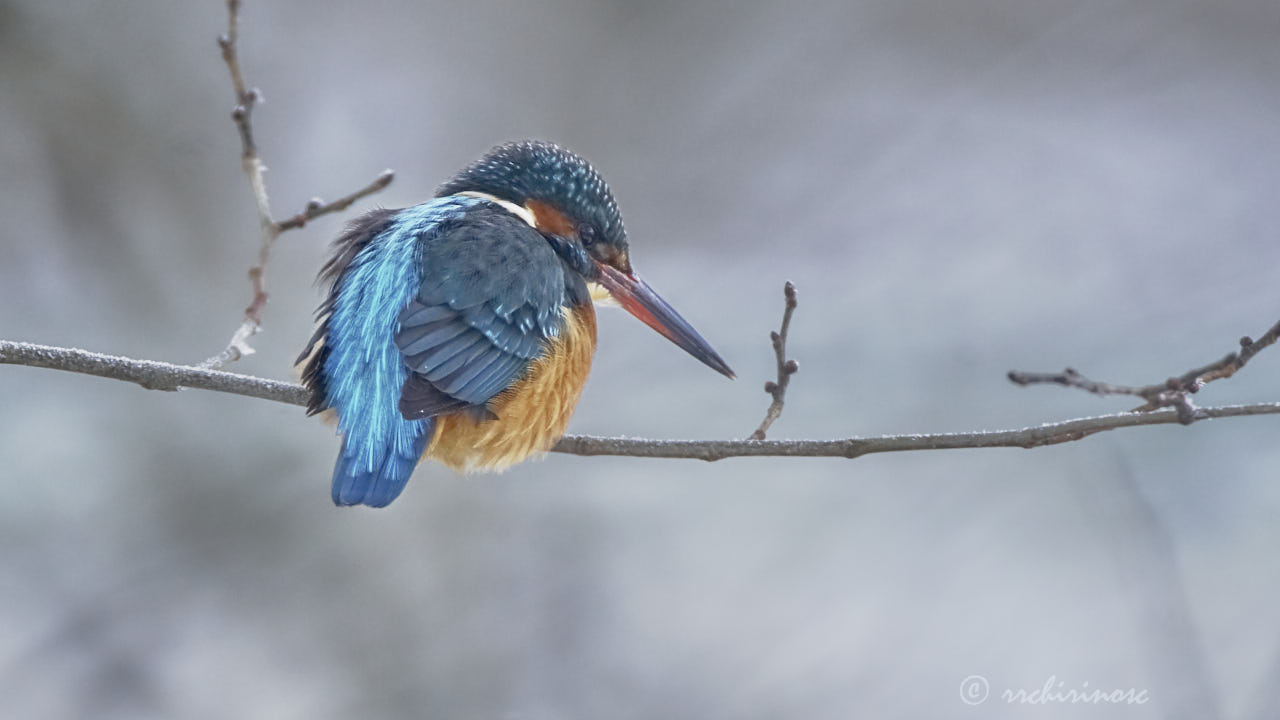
{"x": 462, "y": 329}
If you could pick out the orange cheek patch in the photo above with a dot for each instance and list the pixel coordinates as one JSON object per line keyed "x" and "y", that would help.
{"x": 549, "y": 219}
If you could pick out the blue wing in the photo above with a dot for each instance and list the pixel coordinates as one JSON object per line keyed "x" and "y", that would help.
{"x": 491, "y": 296}
{"x": 435, "y": 308}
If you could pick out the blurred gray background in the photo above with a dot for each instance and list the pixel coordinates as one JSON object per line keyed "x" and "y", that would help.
{"x": 957, "y": 188}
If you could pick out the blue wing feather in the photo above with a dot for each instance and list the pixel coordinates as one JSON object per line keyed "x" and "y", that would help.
{"x": 417, "y": 339}
{"x": 442, "y": 361}
{"x": 495, "y": 380}
{"x": 419, "y": 314}
{"x": 485, "y": 284}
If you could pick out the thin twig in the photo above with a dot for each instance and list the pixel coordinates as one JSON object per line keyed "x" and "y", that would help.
{"x": 242, "y": 115}
{"x": 317, "y": 207}
{"x": 786, "y": 367}
{"x": 245, "y": 98}
{"x": 1175, "y": 392}
{"x": 1193, "y": 380}
{"x": 164, "y": 376}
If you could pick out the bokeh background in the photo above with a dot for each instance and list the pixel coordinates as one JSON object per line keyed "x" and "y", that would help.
{"x": 957, "y": 188}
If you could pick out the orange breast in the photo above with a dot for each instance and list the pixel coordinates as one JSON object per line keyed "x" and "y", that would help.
{"x": 532, "y": 414}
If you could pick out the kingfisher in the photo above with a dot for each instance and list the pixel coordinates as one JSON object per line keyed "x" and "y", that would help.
{"x": 462, "y": 329}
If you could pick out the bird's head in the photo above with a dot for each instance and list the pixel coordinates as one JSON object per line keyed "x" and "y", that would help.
{"x": 564, "y": 198}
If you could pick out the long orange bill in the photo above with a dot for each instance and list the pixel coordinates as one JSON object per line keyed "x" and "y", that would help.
{"x": 637, "y": 298}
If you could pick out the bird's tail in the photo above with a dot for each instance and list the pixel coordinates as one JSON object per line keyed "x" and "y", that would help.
{"x": 359, "y": 371}
{"x": 373, "y": 471}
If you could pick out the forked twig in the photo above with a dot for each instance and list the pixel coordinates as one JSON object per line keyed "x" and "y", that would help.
{"x": 1175, "y": 392}
{"x": 786, "y": 367}
{"x": 242, "y": 115}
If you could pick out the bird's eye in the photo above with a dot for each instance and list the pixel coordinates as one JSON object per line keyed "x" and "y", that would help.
{"x": 586, "y": 234}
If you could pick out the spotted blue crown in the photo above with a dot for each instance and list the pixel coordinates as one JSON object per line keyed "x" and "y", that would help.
{"x": 519, "y": 171}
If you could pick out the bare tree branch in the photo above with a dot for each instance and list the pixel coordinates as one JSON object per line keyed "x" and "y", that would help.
{"x": 150, "y": 374}
{"x": 164, "y": 376}
{"x": 786, "y": 368}
{"x": 242, "y": 115}
{"x": 1175, "y": 392}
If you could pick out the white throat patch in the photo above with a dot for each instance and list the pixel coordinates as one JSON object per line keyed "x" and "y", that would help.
{"x": 521, "y": 212}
